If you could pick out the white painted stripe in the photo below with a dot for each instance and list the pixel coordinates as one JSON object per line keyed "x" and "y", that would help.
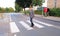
{"x": 36, "y": 24}
{"x": 13, "y": 27}
{"x": 26, "y": 25}
{"x": 10, "y": 19}
{"x": 14, "y": 34}
{"x": 47, "y": 24}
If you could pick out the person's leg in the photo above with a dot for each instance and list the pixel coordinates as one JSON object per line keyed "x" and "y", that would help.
{"x": 45, "y": 14}
{"x": 48, "y": 13}
{"x": 31, "y": 22}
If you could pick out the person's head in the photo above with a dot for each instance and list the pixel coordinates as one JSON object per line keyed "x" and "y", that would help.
{"x": 31, "y": 6}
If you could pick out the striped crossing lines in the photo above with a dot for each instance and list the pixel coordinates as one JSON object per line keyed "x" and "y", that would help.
{"x": 39, "y": 24}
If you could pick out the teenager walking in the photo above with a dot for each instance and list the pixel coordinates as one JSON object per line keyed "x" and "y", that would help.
{"x": 31, "y": 14}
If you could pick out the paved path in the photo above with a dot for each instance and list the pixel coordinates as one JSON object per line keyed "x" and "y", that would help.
{"x": 19, "y": 25}
{"x": 49, "y": 17}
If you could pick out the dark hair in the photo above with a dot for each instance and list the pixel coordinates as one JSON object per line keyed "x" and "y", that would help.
{"x": 31, "y": 6}
{"x": 48, "y": 9}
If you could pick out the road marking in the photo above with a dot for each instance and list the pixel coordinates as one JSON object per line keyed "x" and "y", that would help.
{"x": 26, "y": 25}
{"x": 36, "y": 24}
{"x": 10, "y": 18}
{"x": 14, "y": 34}
{"x": 13, "y": 27}
{"x": 43, "y": 23}
{"x": 47, "y": 24}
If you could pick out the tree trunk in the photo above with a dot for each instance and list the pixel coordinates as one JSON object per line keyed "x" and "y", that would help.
{"x": 24, "y": 11}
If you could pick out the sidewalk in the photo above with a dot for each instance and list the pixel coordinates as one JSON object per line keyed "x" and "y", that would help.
{"x": 5, "y": 18}
{"x": 49, "y": 17}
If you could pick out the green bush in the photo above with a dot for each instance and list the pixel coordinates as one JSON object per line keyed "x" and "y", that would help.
{"x": 11, "y": 9}
{"x": 35, "y": 12}
{"x": 8, "y": 10}
{"x": 54, "y": 12}
{"x": 26, "y": 12}
{"x": 38, "y": 12}
{"x": 2, "y": 10}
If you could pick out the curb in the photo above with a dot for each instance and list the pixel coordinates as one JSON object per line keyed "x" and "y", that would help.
{"x": 49, "y": 17}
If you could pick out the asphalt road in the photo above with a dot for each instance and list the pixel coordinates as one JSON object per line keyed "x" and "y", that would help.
{"x": 20, "y": 26}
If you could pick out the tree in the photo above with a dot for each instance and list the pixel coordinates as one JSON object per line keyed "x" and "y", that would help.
{"x": 17, "y": 7}
{"x": 7, "y": 9}
{"x": 23, "y": 3}
{"x": 2, "y": 10}
{"x": 11, "y": 9}
{"x": 27, "y": 3}
{"x": 37, "y": 2}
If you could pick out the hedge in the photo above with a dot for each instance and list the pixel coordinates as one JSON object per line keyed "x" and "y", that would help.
{"x": 52, "y": 12}
{"x": 55, "y": 12}
{"x": 6, "y": 10}
{"x": 38, "y": 12}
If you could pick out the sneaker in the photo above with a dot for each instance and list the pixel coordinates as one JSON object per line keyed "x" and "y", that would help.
{"x": 32, "y": 25}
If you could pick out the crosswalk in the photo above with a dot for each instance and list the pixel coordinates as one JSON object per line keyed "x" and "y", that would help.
{"x": 26, "y": 25}
{"x": 13, "y": 27}
{"x": 47, "y": 24}
{"x": 39, "y": 24}
{"x": 36, "y": 24}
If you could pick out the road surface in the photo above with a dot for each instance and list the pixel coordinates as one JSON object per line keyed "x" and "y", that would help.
{"x": 19, "y": 25}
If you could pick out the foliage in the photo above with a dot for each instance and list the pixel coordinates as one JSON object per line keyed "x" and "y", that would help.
{"x": 43, "y": 1}
{"x": 23, "y": 3}
{"x": 52, "y": 12}
{"x": 27, "y": 3}
{"x": 38, "y": 12}
{"x": 11, "y": 9}
{"x": 4, "y": 10}
{"x": 55, "y": 12}
{"x": 7, "y": 9}
{"x": 17, "y": 7}
{"x": 35, "y": 12}
{"x": 0, "y": 9}
{"x": 37, "y": 2}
